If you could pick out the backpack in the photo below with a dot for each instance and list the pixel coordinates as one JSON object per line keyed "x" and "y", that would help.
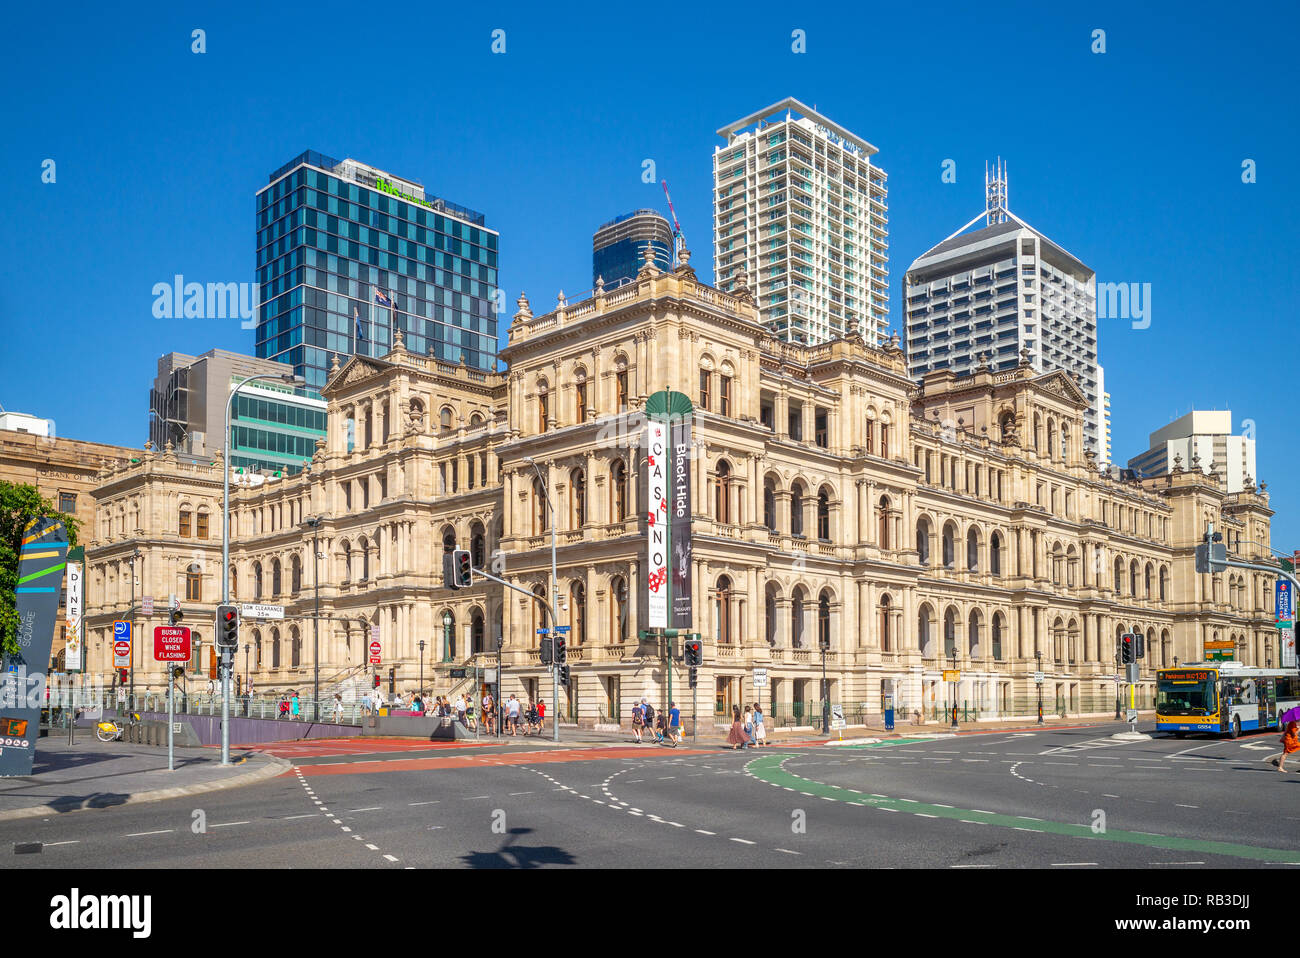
{"x": 649, "y": 714}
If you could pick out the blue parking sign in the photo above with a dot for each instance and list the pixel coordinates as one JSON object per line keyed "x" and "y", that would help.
{"x": 121, "y": 630}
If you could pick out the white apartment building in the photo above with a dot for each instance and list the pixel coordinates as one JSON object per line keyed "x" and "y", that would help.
{"x": 1001, "y": 291}
{"x": 1202, "y": 438}
{"x": 800, "y": 210}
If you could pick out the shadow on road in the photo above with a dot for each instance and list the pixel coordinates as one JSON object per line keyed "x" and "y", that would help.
{"x": 511, "y": 855}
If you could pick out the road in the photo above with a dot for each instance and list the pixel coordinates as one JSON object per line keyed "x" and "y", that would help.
{"x": 1073, "y": 798}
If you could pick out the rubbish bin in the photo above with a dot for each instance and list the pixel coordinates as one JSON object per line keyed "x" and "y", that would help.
{"x": 889, "y": 713}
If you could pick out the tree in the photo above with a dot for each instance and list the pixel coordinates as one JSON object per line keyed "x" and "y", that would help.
{"x": 19, "y": 505}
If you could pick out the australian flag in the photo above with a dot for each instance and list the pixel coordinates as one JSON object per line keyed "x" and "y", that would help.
{"x": 381, "y": 299}
{"x": 356, "y": 314}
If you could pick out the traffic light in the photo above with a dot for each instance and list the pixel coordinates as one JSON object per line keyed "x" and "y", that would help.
{"x": 121, "y": 676}
{"x": 561, "y": 651}
{"x": 564, "y": 675}
{"x": 376, "y": 680}
{"x": 457, "y": 569}
{"x": 695, "y": 676}
{"x": 546, "y": 650}
{"x": 693, "y": 652}
{"x": 1140, "y": 646}
{"x": 1126, "y": 648}
{"x": 227, "y": 627}
{"x": 392, "y": 680}
{"x": 174, "y": 614}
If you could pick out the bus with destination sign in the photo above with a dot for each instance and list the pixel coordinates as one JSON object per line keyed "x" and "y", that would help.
{"x": 1223, "y": 698}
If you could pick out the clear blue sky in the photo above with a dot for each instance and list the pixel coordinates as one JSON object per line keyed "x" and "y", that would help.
{"x": 1130, "y": 159}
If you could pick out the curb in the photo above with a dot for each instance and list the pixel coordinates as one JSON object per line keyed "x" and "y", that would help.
{"x": 275, "y": 766}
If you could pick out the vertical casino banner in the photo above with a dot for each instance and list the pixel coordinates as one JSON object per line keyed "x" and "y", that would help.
{"x": 657, "y": 525}
{"x": 681, "y": 524}
{"x": 41, "y": 561}
{"x": 668, "y": 511}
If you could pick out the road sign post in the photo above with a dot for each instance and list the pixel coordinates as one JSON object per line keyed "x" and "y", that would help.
{"x": 171, "y": 643}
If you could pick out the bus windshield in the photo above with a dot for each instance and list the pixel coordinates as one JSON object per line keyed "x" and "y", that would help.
{"x": 1186, "y": 693}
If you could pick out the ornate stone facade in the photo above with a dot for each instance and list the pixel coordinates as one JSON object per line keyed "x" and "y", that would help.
{"x": 956, "y": 523}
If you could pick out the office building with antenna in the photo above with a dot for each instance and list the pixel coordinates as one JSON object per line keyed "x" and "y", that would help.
{"x": 800, "y": 219}
{"x": 1002, "y": 294}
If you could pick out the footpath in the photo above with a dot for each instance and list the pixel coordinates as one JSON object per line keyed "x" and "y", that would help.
{"x": 95, "y": 774}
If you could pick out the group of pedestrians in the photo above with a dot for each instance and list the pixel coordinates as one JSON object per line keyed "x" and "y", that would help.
{"x": 666, "y": 729}
{"x": 747, "y": 730}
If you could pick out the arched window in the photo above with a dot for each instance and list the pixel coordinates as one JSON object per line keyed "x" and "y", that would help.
{"x": 1133, "y": 578}
{"x": 769, "y": 505}
{"x": 949, "y": 546}
{"x": 1150, "y": 571}
{"x": 618, "y": 489}
{"x": 539, "y": 508}
{"x": 577, "y": 613}
{"x": 234, "y": 582}
{"x": 823, "y": 516}
{"x": 884, "y": 522}
{"x": 1119, "y": 575}
{"x": 924, "y": 635}
{"x": 722, "y": 611}
{"x": 476, "y": 645}
{"x": 722, "y": 501}
{"x": 996, "y": 637}
{"x": 769, "y": 615}
{"x": 972, "y": 550}
{"x": 543, "y": 408}
{"x": 618, "y": 620}
{"x": 923, "y": 540}
{"x": 277, "y": 580}
{"x": 884, "y": 440}
{"x": 578, "y": 484}
{"x": 886, "y": 626}
{"x": 824, "y": 621}
{"x": 973, "y": 626}
{"x": 295, "y": 573}
{"x": 995, "y": 554}
{"x": 257, "y": 649}
{"x": 275, "y": 648}
{"x": 363, "y": 548}
{"x": 194, "y": 583}
{"x": 478, "y": 545}
{"x": 796, "y": 510}
{"x": 184, "y": 525}
{"x": 444, "y": 417}
{"x": 295, "y": 648}
{"x": 1164, "y": 583}
{"x": 950, "y": 633}
{"x": 796, "y": 620}
{"x": 257, "y": 582}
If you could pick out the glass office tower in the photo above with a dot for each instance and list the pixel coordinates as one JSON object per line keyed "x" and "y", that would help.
{"x": 618, "y": 247}
{"x": 347, "y": 253}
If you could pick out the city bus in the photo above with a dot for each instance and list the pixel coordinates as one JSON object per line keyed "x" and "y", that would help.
{"x": 1223, "y": 697}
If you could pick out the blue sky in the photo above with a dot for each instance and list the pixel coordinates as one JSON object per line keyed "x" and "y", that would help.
{"x": 1130, "y": 159}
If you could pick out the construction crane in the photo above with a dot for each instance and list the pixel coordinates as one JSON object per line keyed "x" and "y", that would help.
{"x": 679, "y": 241}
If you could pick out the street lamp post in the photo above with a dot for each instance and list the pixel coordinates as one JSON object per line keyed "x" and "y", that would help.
{"x": 953, "y": 656}
{"x": 225, "y": 546}
{"x": 135, "y": 639}
{"x": 555, "y": 604}
{"x": 314, "y": 523}
{"x": 421, "y": 668}
{"x": 826, "y": 705}
{"x": 1038, "y": 654}
{"x": 446, "y": 637}
{"x": 248, "y": 689}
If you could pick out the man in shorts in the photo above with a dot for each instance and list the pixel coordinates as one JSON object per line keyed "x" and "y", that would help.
{"x": 638, "y": 720}
{"x": 512, "y": 720}
{"x": 674, "y": 723}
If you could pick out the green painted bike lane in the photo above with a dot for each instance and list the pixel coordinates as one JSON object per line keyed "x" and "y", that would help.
{"x": 770, "y": 769}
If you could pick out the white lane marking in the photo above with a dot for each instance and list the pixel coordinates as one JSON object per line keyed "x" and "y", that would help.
{"x": 788, "y": 852}
{"x": 292, "y": 817}
{"x": 373, "y": 848}
{"x": 345, "y": 828}
{"x": 227, "y": 824}
{"x": 1175, "y": 863}
{"x": 703, "y": 832}
{"x": 472, "y": 797}
{"x": 372, "y": 808}
{"x": 75, "y": 841}
{"x": 743, "y": 841}
{"x": 434, "y": 802}
{"x": 390, "y": 858}
{"x": 1104, "y": 795}
{"x": 518, "y": 793}
{"x": 1071, "y": 864}
{"x": 1186, "y": 806}
{"x": 164, "y": 831}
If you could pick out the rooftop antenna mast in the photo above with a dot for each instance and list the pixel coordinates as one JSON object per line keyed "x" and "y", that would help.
{"x": 679, "y": 240}
{"x": 995, "y": 193}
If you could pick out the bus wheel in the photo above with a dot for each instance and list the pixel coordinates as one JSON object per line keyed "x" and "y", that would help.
{"x": 1235, "y": 730}
{"x": 1180, "y": 735}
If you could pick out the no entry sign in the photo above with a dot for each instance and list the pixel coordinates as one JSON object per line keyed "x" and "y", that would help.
{"x": 171, "y": 643}
{"x": 374, "y": 653}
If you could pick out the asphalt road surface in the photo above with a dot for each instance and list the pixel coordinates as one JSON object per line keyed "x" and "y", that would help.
{"x": 1044, "y": 799}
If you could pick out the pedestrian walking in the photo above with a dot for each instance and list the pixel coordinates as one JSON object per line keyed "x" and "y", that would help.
{"x": 638, "y": 719}
{"x": 489, "y": 712}
{"x": 284, "y": 707}
{"x": 1290, "y": 745}
{"x": 460, "y": 708}
{"x": 294, "y": 708}
{"x": 365, "y": 704}
{"x": 736, "y": 737}
{"x": 749, "y": 727}
{"x": 513, "y": 713}
{"x": 648, "y": 716}
{"x": 541, "y": 716}
{"x": 674, "y": 723}
{"x": 338, "y": 709}
{"x": 760, "y": 727}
